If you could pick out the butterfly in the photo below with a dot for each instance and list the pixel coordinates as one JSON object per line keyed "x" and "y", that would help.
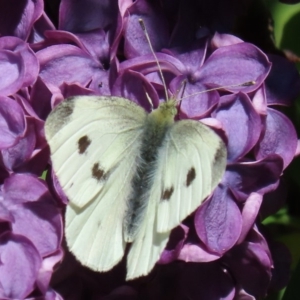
{"x": 130, "y": 176}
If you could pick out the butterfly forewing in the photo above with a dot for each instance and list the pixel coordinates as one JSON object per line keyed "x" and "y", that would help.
{"x": 94, "y": 150}
{"x": 97, "y": 134}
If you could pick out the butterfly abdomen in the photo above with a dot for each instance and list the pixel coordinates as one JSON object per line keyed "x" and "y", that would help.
{"x": 153, "y": 138}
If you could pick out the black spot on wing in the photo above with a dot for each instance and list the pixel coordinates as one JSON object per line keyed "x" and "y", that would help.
{"x": 83, "y": 144}
{"x": 167, "y": 193}
{"x": 220, "y": 153}
{"x": 191, "y": 175}
{"x": 65, "y": 108}
{"x": 97, "y": 172}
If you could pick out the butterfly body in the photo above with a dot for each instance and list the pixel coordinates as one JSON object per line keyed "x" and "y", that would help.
{"x": 155, "y": 129}
{"x": 130, "y": 176}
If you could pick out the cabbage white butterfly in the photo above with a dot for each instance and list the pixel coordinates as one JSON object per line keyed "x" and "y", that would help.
{"x": 130, "y": 176}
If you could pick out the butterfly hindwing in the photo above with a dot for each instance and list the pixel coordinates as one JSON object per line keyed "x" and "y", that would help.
{"x": 190, "y": 165}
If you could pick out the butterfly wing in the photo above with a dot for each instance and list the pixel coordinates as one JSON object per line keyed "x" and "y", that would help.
{"x": 148, "y": 244}
{"x": 190, "y": 164}
{"x": 94, "y": 143}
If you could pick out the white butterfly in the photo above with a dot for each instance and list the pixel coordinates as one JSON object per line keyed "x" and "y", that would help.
{"x": 130, "y": 176}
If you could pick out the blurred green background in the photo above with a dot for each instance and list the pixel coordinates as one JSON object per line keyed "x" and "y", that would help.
{"x": 285, "y": 225}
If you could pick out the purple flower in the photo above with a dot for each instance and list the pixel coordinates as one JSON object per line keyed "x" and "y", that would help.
{"x": 98, "y": 48}
{"x": 31, "y": 234}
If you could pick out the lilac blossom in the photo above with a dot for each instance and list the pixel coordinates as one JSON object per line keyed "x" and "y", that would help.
{"x": 98, "y": 48}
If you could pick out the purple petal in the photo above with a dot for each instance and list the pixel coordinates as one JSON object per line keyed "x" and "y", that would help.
{"x": 74, "y": 89}
{"x": 243, "y": 295}
{"x": 40, "y": 27}
{"x": 97, "y": 44}
{"x": 56, "y": 188}
{"x": 259, "y": 101}
{"x": 40, "y": 99}
{"x": 221, "y": 40}
{"x": 234, "y": 65}
{"x": 11, "y": 64}
{"x": 134, "y": 86}
{"x": 12, "y": 122}
{"x": 17, "y": 19}
{"x": 31, "y": 66}
{"x": 147, "y": 64}
{"x": 87, "y": 15}
{"x": 191, "y": 57}
{"x": 20, "y": 262}
{"x": 135, "y": 43}
{"x": 16, "y": 155}
{"x": 49, "y": 295}
{"x": 218, "y": 221}
{"x": 93, "y": 42}
{"x": 260, "y": 176}
{"x": 45, "y": 273}
{"x": 253, "y": 258}
{"x": 280, "y": 137}
{"x": 5, "y": 214}
{"x": 67, "y": 63}
{"x": 283, "y": 82}
{"x": 241, "y": 122}
{"x": 298, "y": 149}
{"x": 30, "y": 154}
{"x": 249, "y": 213}
{"x": 196, "y": 253}
{"x": 196, "y": 103}
{"x": 27, "y": 198}
{"x": 22, "y": 188}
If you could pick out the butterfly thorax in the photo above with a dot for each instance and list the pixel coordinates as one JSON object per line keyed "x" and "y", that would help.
{"x": 155, "y": 130}
{"x": 165, "y": 113}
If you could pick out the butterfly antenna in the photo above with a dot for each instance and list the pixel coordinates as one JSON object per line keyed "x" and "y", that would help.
{"x": 247, "y": 83}
{"x": 149, "y": 99}
{"x": 182, "y": 87}
{"x": 142, "y": 24}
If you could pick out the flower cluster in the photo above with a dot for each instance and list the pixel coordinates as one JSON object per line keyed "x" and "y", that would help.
{"x": 99, "y": 48}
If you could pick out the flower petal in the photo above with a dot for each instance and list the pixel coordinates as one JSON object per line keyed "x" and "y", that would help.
{"x": 60, "y": 63}
{"x": 241, "y": 122}
{"x": 135, "y": 43}
{"x": 234, "y": 65}
{"x": 11, "y": 64}
{"x": 283, "y": 82}
{"x": 20, "y": 262}
{"x": 249, "y": 213}
{"x": 12, "y": 122}
{"x": 18, "y": 18}
{"x": 218, "y": 221}
{"x": 260, "y": 176}
{"x": 280, "y": 137}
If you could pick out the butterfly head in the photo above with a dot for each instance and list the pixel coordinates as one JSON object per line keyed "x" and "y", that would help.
{"x": 166, "y": 112}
